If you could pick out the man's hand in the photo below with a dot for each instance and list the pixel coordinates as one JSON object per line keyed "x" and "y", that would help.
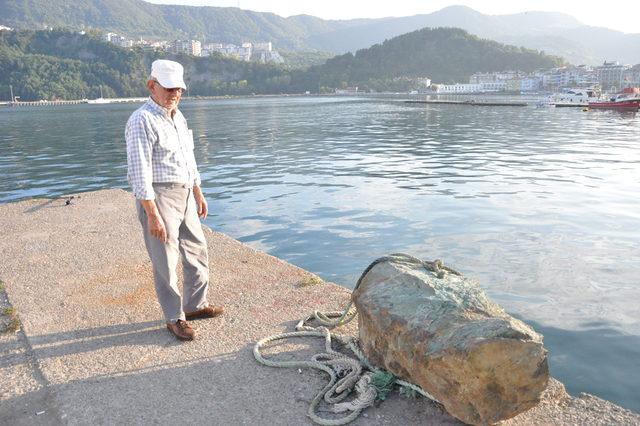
{"x": 154, "y": 220}
{"x": 203, "y": 208}
{"x": 157, "y": 228}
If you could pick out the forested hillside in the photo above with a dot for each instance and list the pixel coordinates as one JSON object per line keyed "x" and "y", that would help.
{"x": 138, "y": 18}
{"x": 445, "y": 55}
{"x": 67, "y": 65}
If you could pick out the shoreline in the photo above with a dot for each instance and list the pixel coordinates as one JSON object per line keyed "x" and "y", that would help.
{"x": 107, "y": 101}
{"x": 92, "y": 346}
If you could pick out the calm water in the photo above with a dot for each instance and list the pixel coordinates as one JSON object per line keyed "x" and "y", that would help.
{"x": 542, "y": 206}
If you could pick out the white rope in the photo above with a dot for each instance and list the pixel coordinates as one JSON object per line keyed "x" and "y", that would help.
{"x": 345, "y": 373}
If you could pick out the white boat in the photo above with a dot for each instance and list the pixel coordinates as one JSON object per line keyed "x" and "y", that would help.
{"x": 99, "y": 100}
{"x": 573, "y": 98}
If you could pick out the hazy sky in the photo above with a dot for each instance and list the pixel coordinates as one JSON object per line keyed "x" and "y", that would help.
{"x": 621, "y": 15}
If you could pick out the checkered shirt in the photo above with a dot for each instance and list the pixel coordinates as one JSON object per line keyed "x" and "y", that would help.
{"x": 159, "y": 149}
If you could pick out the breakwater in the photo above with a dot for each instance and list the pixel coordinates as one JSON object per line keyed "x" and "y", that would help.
{"x": 71, "y": 102}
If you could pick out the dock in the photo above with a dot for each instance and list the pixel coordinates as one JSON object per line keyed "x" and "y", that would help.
{"x": 72, "y": 102}
{"x": 469, "y": 103}
{"x": 93, "y": 348}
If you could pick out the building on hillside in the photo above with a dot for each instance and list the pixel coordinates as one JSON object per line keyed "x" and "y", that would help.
{"x": 610, "y": 75}
{"x": 159, "y": 45}
{"x": 265, "y": 57}
{"x": 187, "y": 47}
{"x": 552, "y": 80}
{"x": 245, "y": 52}
{"x": 125, "y": 42}
{"x": 242, "y": 53}
{"x": 110, "y": 37}
{"x": 3, "y": 28}
{"x": 631, "y": 77}
{"x": 196, "y": 48}
{"x": 530, "y": 84}
{"x": 483, "y": 77}
{"x": 262, "y": 47}
{"x": 209, "y": 48}
{"x": 118, "y": 40}
{"x": 573, "y": 76}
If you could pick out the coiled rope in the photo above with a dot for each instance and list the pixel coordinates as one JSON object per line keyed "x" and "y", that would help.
{"x": 346, "y": 373}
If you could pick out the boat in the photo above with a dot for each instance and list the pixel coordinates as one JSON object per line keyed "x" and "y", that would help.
{"x": 628, "y": 100}
{"x": 573, "y": 98}
{"x": 99, "y": 100}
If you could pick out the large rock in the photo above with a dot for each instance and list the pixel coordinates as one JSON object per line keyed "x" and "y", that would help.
{"x": 438, "y": 330}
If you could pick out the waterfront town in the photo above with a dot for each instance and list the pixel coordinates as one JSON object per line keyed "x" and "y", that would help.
{"x": 610, "y": 76}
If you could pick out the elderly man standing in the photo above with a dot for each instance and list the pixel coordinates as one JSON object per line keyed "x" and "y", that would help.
{"x": 164, "y": 177}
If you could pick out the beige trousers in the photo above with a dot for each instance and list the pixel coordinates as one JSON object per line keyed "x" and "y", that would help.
{"x": 178, "y": 210}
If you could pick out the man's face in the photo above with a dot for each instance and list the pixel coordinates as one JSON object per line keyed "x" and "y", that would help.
{"x": 168, "y": 98}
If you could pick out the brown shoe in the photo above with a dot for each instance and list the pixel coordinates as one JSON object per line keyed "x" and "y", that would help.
{"x": 182, "y": 330}
{"x": 208, "y": 312}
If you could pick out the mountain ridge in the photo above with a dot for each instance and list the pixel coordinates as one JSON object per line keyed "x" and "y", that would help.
{"x": 555, "y": 33}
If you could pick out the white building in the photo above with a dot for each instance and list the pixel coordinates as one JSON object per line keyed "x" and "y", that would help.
{"x": 610, "y": 75}
{"x": 125, "y": 42}
{"x": 196, "y": 48}
{"x": 3, "y": 28}
{"x": 347, "y": 91}
{"x": 267, "y": 56}
{"x": 530, "y": 84}
{"x": 118, "y": 40}
{"x": 263, "y": 47}
{"x": 461, "y": 88}
{"x": 573, "y": 76}
{"x": 247, "y": 51}
{"x": 482, "y": 77}
{"x": 631, "y": 77}
{"x": 162, "y": 44}
{"x": 110, "y": 37}
{"x": 188, "y": 47}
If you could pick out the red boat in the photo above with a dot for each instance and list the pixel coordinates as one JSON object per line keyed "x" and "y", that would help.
{"x": 628, "y": 100}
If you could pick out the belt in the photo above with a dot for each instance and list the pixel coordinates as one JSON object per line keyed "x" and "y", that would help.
{"x": 172, "y": 185}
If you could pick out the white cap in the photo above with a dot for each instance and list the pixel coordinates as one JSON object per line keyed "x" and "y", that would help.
{"x": 168, "y": 73}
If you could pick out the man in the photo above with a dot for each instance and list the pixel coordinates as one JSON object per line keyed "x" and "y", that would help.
{"x": 164, "y": 177}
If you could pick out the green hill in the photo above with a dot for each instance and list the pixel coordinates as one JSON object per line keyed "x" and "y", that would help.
{"x": 445, "y": 55}
{"x": 65, "y": 65}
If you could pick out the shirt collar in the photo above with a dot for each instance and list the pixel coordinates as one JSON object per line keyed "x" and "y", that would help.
{"x": 158, "y": 108}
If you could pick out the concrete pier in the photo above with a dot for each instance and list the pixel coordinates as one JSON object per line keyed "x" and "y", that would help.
{"x": 93, "y": 347}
